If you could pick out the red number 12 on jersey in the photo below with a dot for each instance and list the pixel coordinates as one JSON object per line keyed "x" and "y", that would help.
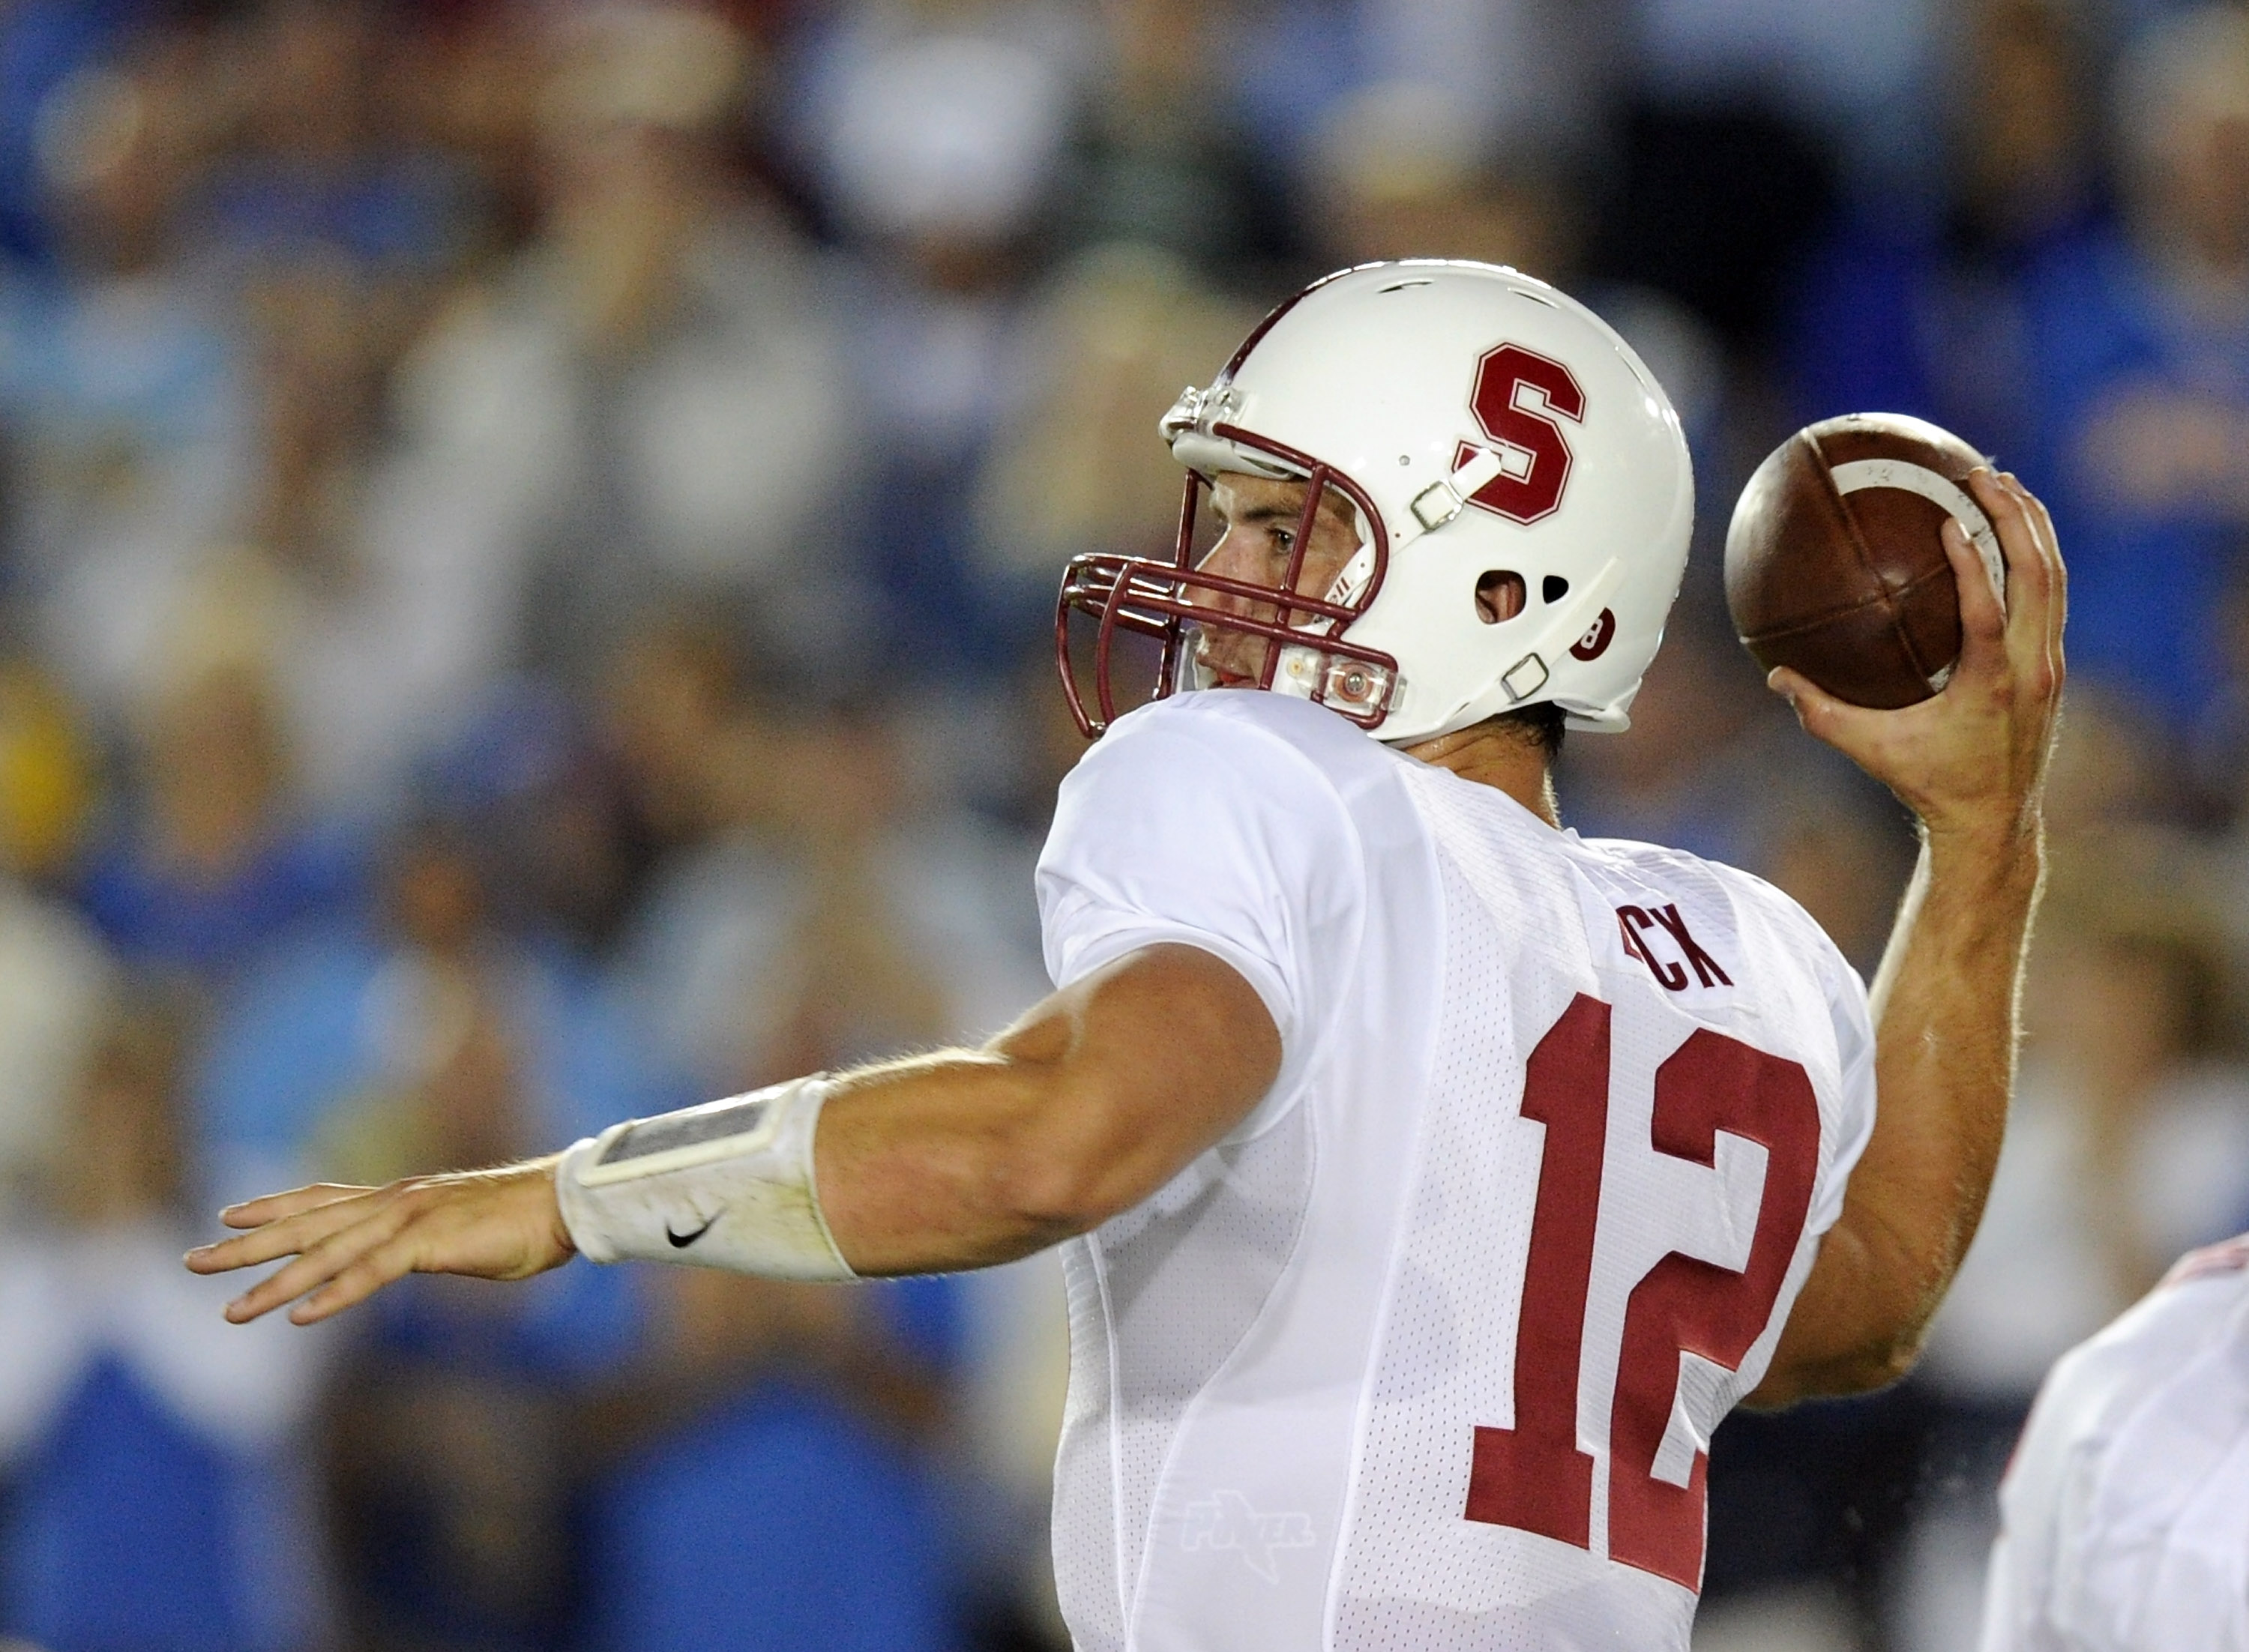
{"x": 1533, "y": 1477}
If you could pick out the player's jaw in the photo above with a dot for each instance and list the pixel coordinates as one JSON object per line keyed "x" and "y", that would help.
{"x": 1227, "y": 659}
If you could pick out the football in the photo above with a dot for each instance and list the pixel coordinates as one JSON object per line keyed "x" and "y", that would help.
{"x": 1833, "y": 563}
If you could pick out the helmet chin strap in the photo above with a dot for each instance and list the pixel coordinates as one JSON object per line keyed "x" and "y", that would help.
{"x": 1440, "y": 501}
{"x": 1521, "y": 682}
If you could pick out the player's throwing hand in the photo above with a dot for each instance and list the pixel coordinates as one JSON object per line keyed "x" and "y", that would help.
{"x": 351, "y": 1241}
{"x": 1971, "y": 762}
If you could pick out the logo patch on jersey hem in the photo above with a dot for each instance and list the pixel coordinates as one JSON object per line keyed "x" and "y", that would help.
{"x": 1227, "y": 1520}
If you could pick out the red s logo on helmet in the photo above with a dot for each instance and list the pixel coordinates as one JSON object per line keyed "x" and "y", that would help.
{"x": 1517, "y": 393}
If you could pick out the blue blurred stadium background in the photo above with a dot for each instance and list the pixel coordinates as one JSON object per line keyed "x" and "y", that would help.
{"x": 527, "y": 532}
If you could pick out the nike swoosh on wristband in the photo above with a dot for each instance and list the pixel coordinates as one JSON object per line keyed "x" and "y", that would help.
{"x": 681, "y": 1241}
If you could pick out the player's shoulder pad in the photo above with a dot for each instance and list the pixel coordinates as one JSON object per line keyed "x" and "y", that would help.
{"x": 1761, "y": 892}
{"x": 1684, "y": 865}
{"x": 1745, "y": 889}
{"x": 2225, "y": 1260}
{"x": 2201, "y": 1298}
{"x": 1785, "y": 909}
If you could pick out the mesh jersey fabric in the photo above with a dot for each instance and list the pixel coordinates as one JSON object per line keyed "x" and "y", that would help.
{"x": 1282, "y": 1362}
{"x": 2124, "y": 1517}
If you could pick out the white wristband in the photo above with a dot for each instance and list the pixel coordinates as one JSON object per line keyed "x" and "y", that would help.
{"x": 727, "y": 1184}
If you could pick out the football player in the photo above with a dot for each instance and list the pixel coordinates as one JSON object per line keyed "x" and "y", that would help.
{"x": 1431, "y": 1180}
{"x": 2124, "y": 1517}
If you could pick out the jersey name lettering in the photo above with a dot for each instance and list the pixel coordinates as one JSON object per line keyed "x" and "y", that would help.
{"x": 1635, "y": 921}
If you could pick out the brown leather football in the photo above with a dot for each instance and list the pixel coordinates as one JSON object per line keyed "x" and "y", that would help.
{"x": 1833, "y": 565}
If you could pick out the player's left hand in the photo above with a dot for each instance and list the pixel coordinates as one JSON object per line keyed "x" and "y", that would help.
{"x": 350, "y": 1242}
{"x": 1971, "y": 761}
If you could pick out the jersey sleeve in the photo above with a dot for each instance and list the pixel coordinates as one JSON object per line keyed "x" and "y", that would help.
{"x": 1189, "y": 824}
{"x": 1854, "y": 1051}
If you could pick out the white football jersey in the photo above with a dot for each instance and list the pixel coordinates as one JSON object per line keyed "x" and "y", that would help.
{"x": 2124, "y": 1517}
{"x": 1426, "y": 1353}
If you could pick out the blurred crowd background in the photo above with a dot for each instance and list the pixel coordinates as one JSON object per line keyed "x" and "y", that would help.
{"x": 528, "y": 536}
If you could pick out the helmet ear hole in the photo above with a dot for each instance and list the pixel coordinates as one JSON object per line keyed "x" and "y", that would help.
{"x": 1499, "y": 596}
{"x": 1553, "y": 588}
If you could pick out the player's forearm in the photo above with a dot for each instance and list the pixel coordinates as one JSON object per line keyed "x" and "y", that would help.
{"x": 1946, "y": 1012}
{"x": 1078, "y": 1112}
{"x": 947, "y": 1162}
{"x": 1945, "y": 1017}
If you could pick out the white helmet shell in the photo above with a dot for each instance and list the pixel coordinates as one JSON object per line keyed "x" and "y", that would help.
{"x": 1493, "y": 425}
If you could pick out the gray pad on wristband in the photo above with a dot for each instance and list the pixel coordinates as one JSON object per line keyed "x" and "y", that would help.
{"x": 727, "y": 1184}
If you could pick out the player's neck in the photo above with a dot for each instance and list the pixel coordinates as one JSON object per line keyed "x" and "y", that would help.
{"x": 1497, "y": 757}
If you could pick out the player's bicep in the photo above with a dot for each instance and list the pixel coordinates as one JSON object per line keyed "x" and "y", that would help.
{"x": 1146, "y": 1063}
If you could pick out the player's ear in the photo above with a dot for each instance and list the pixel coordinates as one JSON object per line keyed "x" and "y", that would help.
{"x": 1500, "y": 594}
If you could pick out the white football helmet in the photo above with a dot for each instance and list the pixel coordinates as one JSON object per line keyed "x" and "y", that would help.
{"x": 1481, "y": 423}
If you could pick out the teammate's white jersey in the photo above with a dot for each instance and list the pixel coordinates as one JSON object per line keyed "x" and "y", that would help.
{"x": 2124, "y": 1517}
{"x": 1424, "y": 1355}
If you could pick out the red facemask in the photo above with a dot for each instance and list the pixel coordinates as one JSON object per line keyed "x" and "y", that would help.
{"x": 1147, "y": 597}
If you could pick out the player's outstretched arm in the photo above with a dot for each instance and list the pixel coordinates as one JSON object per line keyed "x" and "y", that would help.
{"x": 962, "y": 1159}
{"x": 1971, "y": 762}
